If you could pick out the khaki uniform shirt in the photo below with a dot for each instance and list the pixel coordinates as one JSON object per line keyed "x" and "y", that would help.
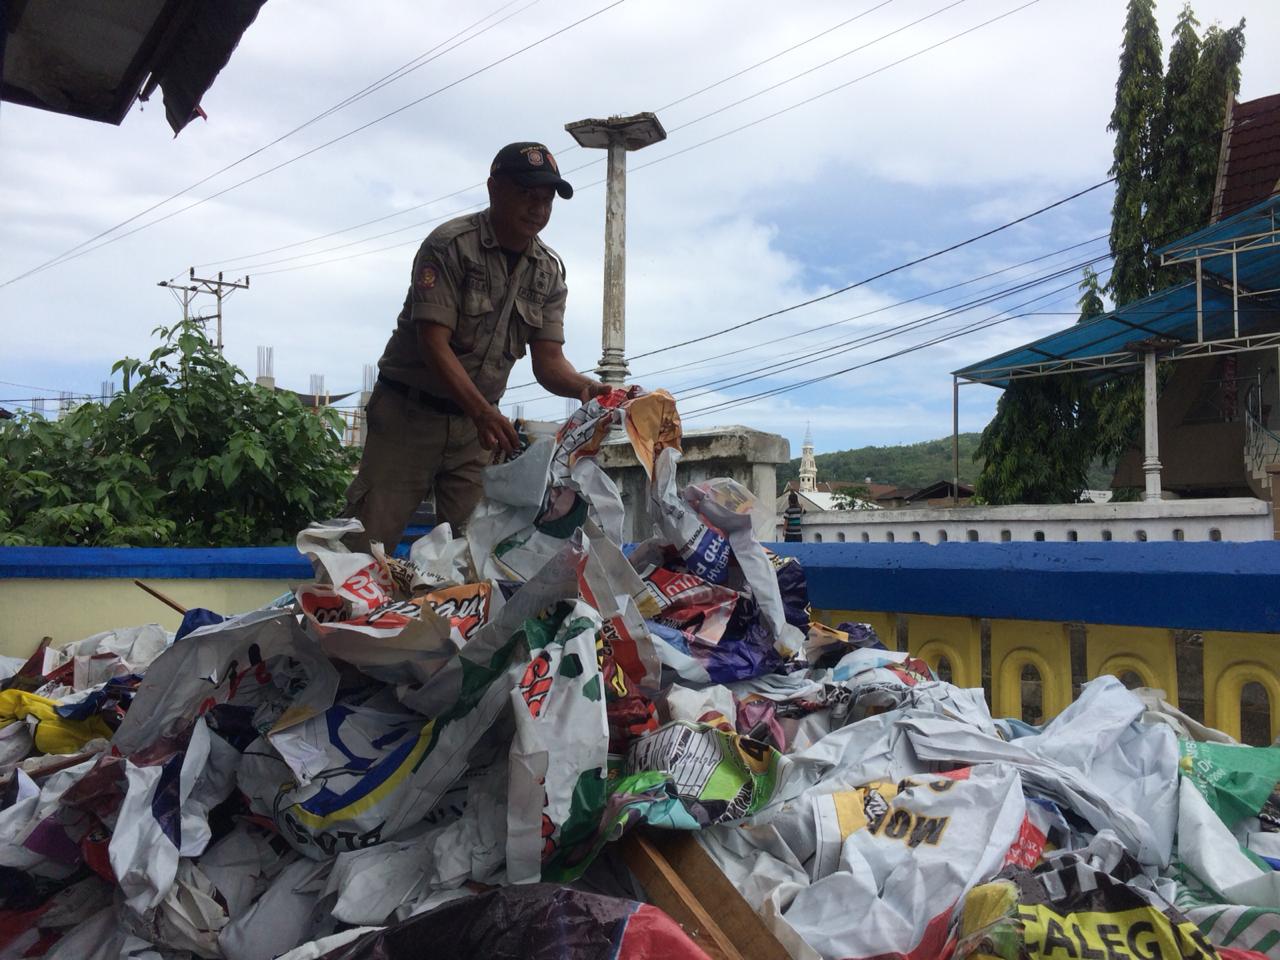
{"x": 461, "y": 281}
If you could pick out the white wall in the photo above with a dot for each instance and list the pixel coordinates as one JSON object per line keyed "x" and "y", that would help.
{"x": 1234, "y": 519}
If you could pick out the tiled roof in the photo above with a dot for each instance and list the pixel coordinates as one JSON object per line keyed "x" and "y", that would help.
{"x": 1252, "y": 156}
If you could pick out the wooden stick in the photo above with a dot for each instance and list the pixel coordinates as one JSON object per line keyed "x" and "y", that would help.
{"x": 162, "y": 598}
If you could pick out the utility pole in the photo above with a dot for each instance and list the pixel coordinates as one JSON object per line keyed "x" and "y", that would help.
{"x": 187, "y": 294}
{"x": 184, "y": 295}
{"x": 617, "y": 135}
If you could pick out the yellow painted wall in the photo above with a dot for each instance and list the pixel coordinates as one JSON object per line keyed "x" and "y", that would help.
{"x": 68, "y": 610}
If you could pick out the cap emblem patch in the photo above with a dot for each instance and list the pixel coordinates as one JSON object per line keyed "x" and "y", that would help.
{"x": 535, "y": 158}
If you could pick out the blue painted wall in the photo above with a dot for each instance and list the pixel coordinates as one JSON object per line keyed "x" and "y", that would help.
{"x": 1206, "y": 586}
{"x": 1195, "y": 586}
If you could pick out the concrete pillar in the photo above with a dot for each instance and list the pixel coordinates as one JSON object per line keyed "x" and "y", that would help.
{"x": 1151, "y": 460}
{"x": 613, "y": 339}
{"x": 617, "y": 135}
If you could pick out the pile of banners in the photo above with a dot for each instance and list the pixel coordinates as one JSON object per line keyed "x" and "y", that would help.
{"x": 443, "y": 748}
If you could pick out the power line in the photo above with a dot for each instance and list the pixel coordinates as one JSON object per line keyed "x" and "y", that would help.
{"x": 567, "y": 149}
{"x": 878, "y": 276}
{"x": 686, "y": 150}
{"x": 887, "y": 333}
{"x": 771, "y": 58}
{"x": 826, "y": 351}
{"x": 859, "y": 316}
{"x": 399, "y": 73}
{"x": 306, "y": 153}
{"x": 561, "y": 152}
{"x": 28, "y": 386}
{"x": 824, "y": 93}
{"x": 825, "y": 63}
{"x": 984, "y": 324}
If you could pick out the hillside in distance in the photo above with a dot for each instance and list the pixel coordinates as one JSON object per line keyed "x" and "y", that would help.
{"x": 906, "y": 465}
{"x": 910, "y": 464}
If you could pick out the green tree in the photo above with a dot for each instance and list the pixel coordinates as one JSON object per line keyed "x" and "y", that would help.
{"x": 189, "y": 453}
{"x": 1090, "y": 303}
{"x": 1216, "y": 77}
{"x": 1175, "y": 209}
{"x": 1134, "y": 121}
{"x": 1165, "y": 161}
{"x": 1039, "y": 446}
{"x": 853, "y": 498}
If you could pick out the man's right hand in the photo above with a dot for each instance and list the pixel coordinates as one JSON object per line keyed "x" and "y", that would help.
{"x": 496, "y": 431}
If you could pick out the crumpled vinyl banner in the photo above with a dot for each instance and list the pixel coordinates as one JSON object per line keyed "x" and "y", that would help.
{"x": 157, "y": 824}
{"x": 653, "y": 424}
{"x": 53, "y": 733}
{"x": 1236, "y": 780}
{"x": 709, "y": 525}
{"x": 112, "y": 653}
{"x": 438, "y": 560}
{"x": 718, "y": 776}
{"x": 530, "y": 922}
{"x": 363, "y": 581}
{"x": 31, "y": 808}
{"x": 404, "y": 765}
{"x": 402, "y": 641}
{"x": 513, "y": 498}
{"x": 609, "y": 584}
{"x": 900, "y": 856}
{"x": 286, "y": 915}
{"x": 26, "y": 930}
{"x": 1070, "y": 908}
{"x": 705, "y": 550}
{"x": 687, "y": 602}
{"x": 558, "y": 756}
{"x": 257, "y": 674}
{"x": 1096, "y": 759}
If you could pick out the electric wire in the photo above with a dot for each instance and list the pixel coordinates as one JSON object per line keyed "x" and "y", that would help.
{"x": 399, "y": 73}
{"x": 328, "y": 143}
{"x": 782, "y": 365}
{"x": 984, "y": 324}
{"x": 760, "y": 345}
{"x": 674, "y": 129}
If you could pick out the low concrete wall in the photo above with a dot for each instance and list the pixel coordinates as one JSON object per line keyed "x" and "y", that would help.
{"x": 1236, "y": 519}
{"x": 69, "y": 610}
{"x": 69, "y": 593}
{"x": 748, "y": 456}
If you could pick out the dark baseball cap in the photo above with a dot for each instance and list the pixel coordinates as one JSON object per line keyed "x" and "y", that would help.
{"x": 530, "y": 165}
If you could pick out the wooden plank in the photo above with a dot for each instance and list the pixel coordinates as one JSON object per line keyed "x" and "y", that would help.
{"x": 747, "y": 929}
{"x": 680, "y": 878}
{"x": 668, "y": 892}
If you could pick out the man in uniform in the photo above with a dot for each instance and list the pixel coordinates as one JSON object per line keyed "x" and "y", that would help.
{"x": 484, "y": 290}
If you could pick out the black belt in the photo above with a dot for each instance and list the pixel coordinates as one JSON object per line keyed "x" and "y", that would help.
{"x": 432, "y": 402}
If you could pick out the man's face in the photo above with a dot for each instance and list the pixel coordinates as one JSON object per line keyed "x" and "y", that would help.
{"x": 519, "y": 212}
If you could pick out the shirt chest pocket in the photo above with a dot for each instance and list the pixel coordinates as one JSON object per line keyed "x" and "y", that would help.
{"x": 475, "y": 311}
{"x": 526, "y": 321}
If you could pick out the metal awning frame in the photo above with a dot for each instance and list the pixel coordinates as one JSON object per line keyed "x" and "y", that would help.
{"x": 1199, "y": 249}
{"x": 1121, "y": 360}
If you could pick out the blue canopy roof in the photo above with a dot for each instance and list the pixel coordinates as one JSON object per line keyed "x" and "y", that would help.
{"x": 1102, "y": 344}
{"x": 1251, "y": 235}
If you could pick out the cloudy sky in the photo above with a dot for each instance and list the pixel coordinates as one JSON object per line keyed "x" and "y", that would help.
{"x": 787, "y": 174}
